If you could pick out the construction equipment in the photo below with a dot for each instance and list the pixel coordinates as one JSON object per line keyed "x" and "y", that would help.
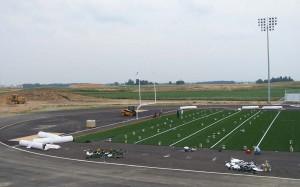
{"x": 129, "y": 111}
{"x": 16, "y": 99}
{"x": 105, "y": 153}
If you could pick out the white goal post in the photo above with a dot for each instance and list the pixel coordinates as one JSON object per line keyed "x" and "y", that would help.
{"x": 140, "y": 98}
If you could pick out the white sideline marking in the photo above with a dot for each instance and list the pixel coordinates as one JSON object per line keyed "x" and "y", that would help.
{"x": 203, "y": 129}
{"x": 139, "y": 166}
{"x": 174, "y": 127}
{"x": 150, "y": 167}
{"x": 268, "y": 129}
{"x": 233, "y": 130}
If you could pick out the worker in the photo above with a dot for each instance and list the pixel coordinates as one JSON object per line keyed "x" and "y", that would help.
{"x": 160, "y": 113}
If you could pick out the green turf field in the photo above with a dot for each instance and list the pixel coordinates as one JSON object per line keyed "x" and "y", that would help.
{"x": 234, "y": 95}
{"x": 232, "y": 129}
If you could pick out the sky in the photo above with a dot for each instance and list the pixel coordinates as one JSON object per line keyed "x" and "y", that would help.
{"x": 107, "y": 41}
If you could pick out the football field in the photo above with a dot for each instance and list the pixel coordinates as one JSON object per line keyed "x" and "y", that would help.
{"x": 212, "y": 128}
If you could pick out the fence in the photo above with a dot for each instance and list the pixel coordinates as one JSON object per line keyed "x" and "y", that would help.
{"x": 292, "y": 96}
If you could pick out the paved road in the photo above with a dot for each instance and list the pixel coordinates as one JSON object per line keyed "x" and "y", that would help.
{"x": 19, "y": 168}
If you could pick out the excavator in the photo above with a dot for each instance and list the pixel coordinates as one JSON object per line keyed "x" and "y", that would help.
{"x": 128, "y": 111}
{"x": 16, "y": 99}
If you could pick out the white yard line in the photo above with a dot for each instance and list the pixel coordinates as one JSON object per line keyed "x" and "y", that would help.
{"x": 268, "y": 129}
{"x": 233, "y": 130}
{"x": 203, "y": 129}
{"x": 150, "y": 167}
{"x": 174, "y": 127}
{"x": 133, "y": 119}
{"x": 141, "y": 166}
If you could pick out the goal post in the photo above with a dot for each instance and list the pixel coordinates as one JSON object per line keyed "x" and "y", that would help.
{"x": 140, "y": 98}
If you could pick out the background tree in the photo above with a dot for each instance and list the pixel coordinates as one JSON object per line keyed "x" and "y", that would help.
{"x": 259, "y": 81}
{"x": 130, "y": 82}
{"x": 278, "y": 79}
{"x": 180, "y": 82}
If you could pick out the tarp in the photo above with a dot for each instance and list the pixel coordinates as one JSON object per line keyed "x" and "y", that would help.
{"x": 187, "y": 107}
{"x": 35, "y": 145}
{"x": 59, "y": 139}
{"x": 42, "y": 134}
{"x": 250, "y": 107}
{"x": 51, "y": 146}
{"x": 45, "y": 142}
{"x": 272, "y": 107}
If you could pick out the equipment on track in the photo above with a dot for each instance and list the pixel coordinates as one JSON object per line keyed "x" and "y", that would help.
{"x": 129, "y": 111}
{"x": 105, "y": 153}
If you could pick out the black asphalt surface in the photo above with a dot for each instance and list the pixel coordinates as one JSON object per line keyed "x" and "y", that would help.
{"x": 142, "y": 166}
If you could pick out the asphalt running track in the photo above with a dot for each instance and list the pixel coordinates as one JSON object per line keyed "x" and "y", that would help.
{"x": 143, "y": 165}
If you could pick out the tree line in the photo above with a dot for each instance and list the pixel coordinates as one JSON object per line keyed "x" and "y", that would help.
{"x": 278, "y": 79}
{"x": 136, "y": 82}
{"x": 145, "y": 82}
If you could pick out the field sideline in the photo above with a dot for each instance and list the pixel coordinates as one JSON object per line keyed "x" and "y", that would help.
{"x": 212, "y": 128}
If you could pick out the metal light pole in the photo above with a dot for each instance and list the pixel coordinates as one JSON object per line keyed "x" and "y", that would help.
{"x": 267, "y": 24}
{"x": 154, "y": 88}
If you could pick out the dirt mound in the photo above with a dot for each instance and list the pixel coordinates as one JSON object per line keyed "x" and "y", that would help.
{"x": 37, "y": 94}
{"x": 46, "y": 94}
{"x": 43, "y": 96}
{"x": 86, "y": 86}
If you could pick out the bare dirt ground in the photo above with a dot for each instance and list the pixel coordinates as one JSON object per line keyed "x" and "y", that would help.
{"x": 51, "y": 99}
{"x": 63, "y": 104}
{"x": 87, "y": 86}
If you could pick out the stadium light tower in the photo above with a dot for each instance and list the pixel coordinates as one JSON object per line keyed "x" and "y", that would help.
{"x": 267, "y": 24}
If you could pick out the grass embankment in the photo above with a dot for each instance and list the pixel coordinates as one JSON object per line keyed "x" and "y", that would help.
{"x": 251, "y": 92}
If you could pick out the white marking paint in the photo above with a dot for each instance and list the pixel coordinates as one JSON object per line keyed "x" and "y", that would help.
{"x": 233, "y": 130}
{"x": 268, "y": 129}
{"x": 173, "y": 128}
{"x": 114, "y": 124}
{"x": 141, "y": 166}
{"x": 152, "y": 167}
{"x": 202, "y": 129}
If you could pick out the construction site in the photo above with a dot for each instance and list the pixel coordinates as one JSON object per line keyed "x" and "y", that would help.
{"x": 66, "y": 114}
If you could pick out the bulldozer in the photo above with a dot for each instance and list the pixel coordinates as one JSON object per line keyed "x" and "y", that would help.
{"x": 16, "y": 99}
{"x": 128, "y": 111}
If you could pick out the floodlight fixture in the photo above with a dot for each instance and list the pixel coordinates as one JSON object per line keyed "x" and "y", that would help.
{"x": 268, "y": 24}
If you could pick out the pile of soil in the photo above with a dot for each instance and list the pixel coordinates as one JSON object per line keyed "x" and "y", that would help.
{"x": 46, "y": 94}
{"x": 86, "y": 86}
{"x": 37, "y": 94}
